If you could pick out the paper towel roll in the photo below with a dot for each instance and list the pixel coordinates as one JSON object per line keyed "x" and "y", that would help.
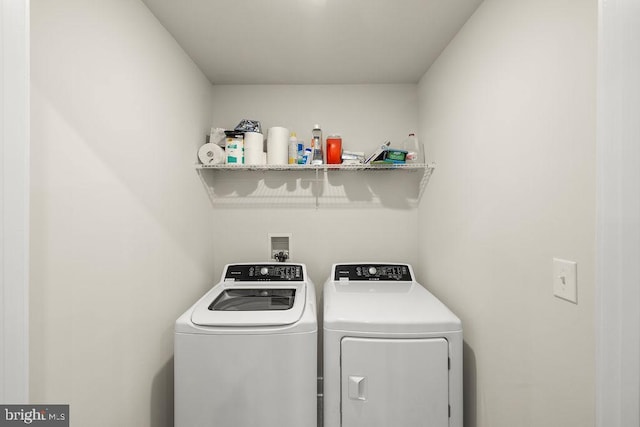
{"x": 278, "y": 146}
{"x": 253, "y": 146}
{"x": 211, "y": 154}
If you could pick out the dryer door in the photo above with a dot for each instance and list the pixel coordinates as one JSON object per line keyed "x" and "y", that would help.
{"x": 395, "y": 382}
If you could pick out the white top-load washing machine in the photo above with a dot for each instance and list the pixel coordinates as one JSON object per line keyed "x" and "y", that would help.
{"x": 392, "y": 351}
{"x": 246, "y": 352}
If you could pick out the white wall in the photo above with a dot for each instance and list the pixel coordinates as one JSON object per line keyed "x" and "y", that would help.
{"x": 365, "y": 116}
{"x": 14, "y": 201}
{"x": 618, "y": 214}
{"x": 121, "y": 229}
{"x": 508, "y": 114}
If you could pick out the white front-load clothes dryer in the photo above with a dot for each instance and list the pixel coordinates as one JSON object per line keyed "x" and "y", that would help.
{"x": 392, "y": 351}
{"x": 246, "y": 352}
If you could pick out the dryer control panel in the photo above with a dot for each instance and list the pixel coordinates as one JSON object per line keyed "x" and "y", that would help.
{"x": 361, "y": 272}
{"x": 264, "y": 272}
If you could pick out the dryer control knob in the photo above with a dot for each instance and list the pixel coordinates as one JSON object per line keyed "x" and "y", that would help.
{"x": 264, "y": 271}
{"x": 372, "y": 270}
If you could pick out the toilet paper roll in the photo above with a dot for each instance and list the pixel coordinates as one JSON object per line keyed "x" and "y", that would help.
{"x": 211, "y": 154}
{"x": 278, "y": 146}
{"x": 253, "y": 148}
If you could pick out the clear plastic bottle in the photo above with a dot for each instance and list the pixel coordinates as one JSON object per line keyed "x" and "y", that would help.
{"x": 412, "y": 146}
{"x": 316, "y": 145}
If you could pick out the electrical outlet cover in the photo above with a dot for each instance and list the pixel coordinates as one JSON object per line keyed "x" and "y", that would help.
{"x": 565, "y": 280}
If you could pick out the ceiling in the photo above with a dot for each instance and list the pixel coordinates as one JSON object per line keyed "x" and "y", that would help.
{"x": 313, "y": 41}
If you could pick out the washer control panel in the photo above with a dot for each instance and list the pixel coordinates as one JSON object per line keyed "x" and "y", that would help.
{"x": 264, "y": 272}
{"x": 361, "y": 272}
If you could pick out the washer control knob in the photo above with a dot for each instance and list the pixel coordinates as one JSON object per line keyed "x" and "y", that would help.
{"x": 264, "y": 271}
{"x": 372, "y": 270}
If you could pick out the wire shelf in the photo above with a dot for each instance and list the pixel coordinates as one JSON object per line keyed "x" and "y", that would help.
{"x": 326, "y": 186}
{"x": 324, "y": 167}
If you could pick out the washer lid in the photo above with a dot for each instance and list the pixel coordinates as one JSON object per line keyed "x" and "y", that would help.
{"x": 387, "y": 307}
{"x": 254, "y": 299}
{"x": 260, "y": 304}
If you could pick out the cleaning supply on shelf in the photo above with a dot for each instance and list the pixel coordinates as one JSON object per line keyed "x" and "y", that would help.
{"x": 415, "y": 154}
{"x": 300, "y": 152}
{"x": 293, "y": 149}
{"x": 308, "y": 155}
{"x": 217, "y": 136}
{"x": 248, "y": 126}
{"x": 234, "y": 149}
{"x": 353, "y": 157}
{"x": 316, "y": 145}
{"x": 391, "y": 155}
{"x": 378, "y": 154}
{"x": 334, "y": 149}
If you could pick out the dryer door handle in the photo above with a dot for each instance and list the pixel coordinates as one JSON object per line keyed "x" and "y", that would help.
{"x": 357, "y": 387}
